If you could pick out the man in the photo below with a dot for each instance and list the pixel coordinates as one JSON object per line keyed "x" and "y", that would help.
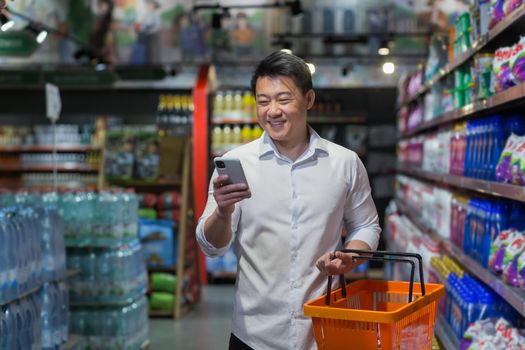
{"x": 302, "y": 190}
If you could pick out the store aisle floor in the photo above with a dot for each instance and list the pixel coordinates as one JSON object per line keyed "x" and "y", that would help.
{"x": 207, "y": 326}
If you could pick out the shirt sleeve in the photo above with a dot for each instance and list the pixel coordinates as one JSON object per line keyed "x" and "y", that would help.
{"x": 211, "y": 204}
{"x": 360, "y": 216}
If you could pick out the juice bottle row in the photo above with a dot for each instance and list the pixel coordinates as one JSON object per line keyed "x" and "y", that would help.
{"x": 233, "y": 105}
{"x": 224, "y": 138}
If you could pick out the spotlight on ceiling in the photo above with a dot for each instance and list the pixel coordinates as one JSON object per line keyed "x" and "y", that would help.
{"x": 6, "y": 23}
{"x": 388, "y": 68}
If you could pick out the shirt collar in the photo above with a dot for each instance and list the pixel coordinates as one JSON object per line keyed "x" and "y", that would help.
{"x": 316, "y": 143}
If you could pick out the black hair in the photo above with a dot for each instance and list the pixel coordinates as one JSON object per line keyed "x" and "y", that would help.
{"x": 284, "y": 64}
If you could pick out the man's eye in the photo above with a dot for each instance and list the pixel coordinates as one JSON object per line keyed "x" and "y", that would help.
{"x": 284, "y": 101}
{"x": 263, "y": 103}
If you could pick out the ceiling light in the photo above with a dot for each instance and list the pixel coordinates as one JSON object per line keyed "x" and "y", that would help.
{"x": 383, "y": 51}
{"x": 6, "y": 23}
{"x": 388, "y": 68}
{"x": 41, "y": 37}
{"x": 311, "y": 67}
{"x": 288, "y": 51}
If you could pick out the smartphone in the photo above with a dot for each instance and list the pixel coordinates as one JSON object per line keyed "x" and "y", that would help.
{"x": 231, "y": 167}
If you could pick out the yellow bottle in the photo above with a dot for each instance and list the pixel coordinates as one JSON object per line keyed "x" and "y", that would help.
{"x": 246, "y": 134}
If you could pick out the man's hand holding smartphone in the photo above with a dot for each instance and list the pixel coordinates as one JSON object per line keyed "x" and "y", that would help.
{"x": 226, "y": 191}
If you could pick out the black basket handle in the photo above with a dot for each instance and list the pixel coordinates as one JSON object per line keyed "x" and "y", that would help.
{"x": 381, "y": 256}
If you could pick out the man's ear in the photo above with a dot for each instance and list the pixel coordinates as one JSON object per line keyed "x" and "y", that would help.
{"x": 310, "y": 99}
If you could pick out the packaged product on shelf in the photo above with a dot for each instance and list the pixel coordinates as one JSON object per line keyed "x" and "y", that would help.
{"x": 509, "y": 168}
{"x": 163, "y": 282}
{"x": 159, "y": 238}
{"x": 510, "y": 5}
{"x": 107, "y": 276}
{"x": 497, "y": 13}
{"x": 169, "y": 200}
{"x": 517, "y": 61}
{"x": 521, "y": 271}
{"x": 483, "y": 74}
{"x": 503, "y": 77}
{"x": 117, "y": 327}
{"x": 492, "y": 333}
{"x": 146, "y": 156}
{"x": 162, "y": 301}
{"x": 119, "y": 156}
{"x": 510, "y": 261}
{"x": 498, "y": 248}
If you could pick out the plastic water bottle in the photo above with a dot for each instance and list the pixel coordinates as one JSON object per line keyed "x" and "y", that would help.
{"x": 47, "y": 320}
{"x": 3, "y": 262}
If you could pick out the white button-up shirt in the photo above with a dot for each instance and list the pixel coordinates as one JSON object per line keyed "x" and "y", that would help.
{"x": 295, "y": 214}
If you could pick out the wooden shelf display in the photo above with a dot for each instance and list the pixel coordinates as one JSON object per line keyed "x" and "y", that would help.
{"x": 186, "y": 254}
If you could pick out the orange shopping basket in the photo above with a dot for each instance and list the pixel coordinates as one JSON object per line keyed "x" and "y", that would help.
{"x": 374, "y": 314}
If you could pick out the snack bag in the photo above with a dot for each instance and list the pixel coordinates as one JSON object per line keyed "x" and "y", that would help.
{"x": 510, "y": 5}
{"x": 510, "y": 261}
{"x": 521, "y": 270}
{"x": 517, "y": 61}
{"x": 503, "y": 169}
{"x": 502, "y": 78}
{"x": 497, "y": 12}
{"x": 517, "y": 163}
{"x": 498, "y": 247}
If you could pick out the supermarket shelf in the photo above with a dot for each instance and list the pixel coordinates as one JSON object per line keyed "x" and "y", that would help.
{"x": 482, "y": 186}
{"x": 29, "y": 292}
{"x": 233, "y": 122}
{"x": 163, "y": 269}
{"x": 159, "y": 184}
{"x": 92, "y": 304}
{"x": 64, "y": 167}
{"x": 48, "y": 148}
{"x": 512, "y": 95}
{"x": 337, "y": 120}
{"x": 445, "y": 334}
{"x": 514, "y": 296}
{"x": 515, "y": 19}
{"x": 72, "y": 273}
{"x": 313, "y": 120}
{"x": 161, "y": 313}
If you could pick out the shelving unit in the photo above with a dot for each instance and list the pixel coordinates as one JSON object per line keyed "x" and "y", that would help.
{"x": 481, "y": 186}
{"x": 12, "y": 170}
{"x": 512, "y": 23}
{"x": 512, "y": 96}
{"x": 181, "y": 182}
{"x": 445, "y": 335}
{"x": 514, "y": 296}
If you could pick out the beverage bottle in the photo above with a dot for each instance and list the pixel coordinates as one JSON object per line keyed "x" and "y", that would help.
{"x": 46, "y": 317}
{"x": 227, "y": 138}
{"x": 11, "y": 326}
{"x": 34, "y": 304}
{"x": 218, "y": 107}
{"x": 4, "y": 263}
{"x": 216, "y": 139}
{"x": 246, "y": 134}
{"x": 4, "y": 330}
{"x": 228, "y": 106}
{"x": 236, "y": 136}
{"x": 21, "y": 326}
{"x": 237, "y": 109}
{"x": 247, "y": 109}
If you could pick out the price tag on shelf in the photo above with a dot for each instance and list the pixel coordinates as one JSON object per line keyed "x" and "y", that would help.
{"x": 53, "y": 102}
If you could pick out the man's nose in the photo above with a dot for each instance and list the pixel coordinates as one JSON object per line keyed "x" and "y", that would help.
{"x": 274, "y": 109}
